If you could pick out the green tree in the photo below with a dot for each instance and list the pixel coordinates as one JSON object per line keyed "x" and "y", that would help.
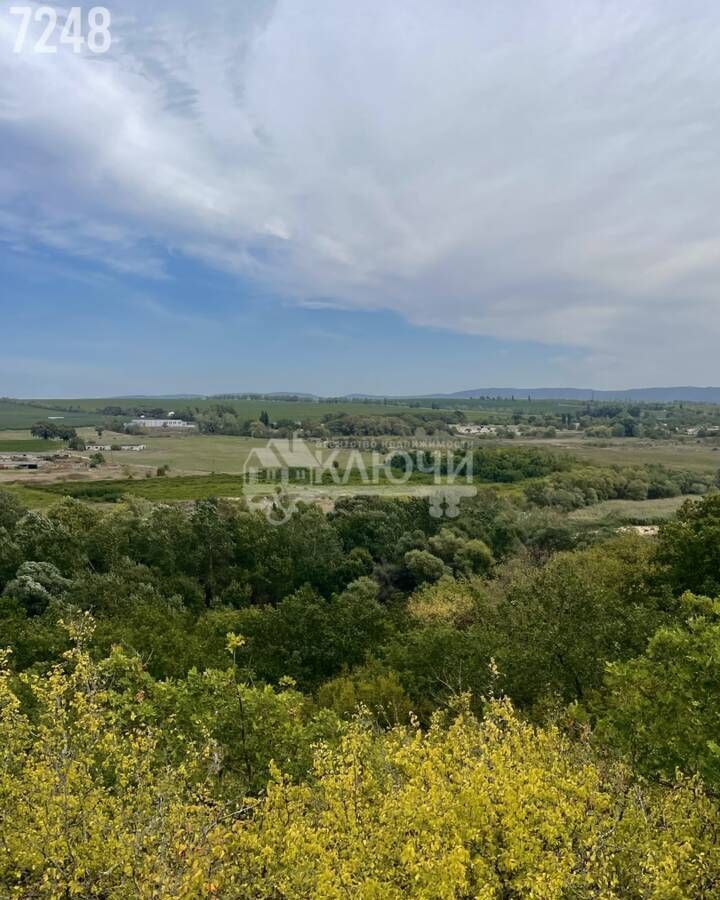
{"x": 558, "y": 624}
{"x": 42, "y": 430}
{"x": 662, "y": 709}
{"x": 11, "y": 510}
{"x": 689, "y": 548}
{"x": 310, "y": 638}
{"x": 35, "y": 584}
{"x": 424, "y": 566}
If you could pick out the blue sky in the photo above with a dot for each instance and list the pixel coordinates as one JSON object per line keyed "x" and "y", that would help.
{"x": 75, "y": 330}
{"x": 387, "y": 198}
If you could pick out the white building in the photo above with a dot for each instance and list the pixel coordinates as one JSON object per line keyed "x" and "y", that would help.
{"x": 475, "y": 429}
{"x": 101, "y": 448}
{"x": 176, "y": 424}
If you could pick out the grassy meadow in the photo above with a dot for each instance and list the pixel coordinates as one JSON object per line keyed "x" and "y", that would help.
{"x": 189, "y": 454}
{"x": 636, "y": 512}
{"x": 676, "y": 454}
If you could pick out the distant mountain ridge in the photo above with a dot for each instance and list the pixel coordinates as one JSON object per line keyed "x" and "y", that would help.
{"x": 688, "y": 393}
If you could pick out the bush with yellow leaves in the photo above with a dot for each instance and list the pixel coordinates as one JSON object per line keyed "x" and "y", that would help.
{"x": 483, "y": 809}
{"x": 85, "y": 807}
{"x": 492, "y": 809}
{"x": 447, "y": 601}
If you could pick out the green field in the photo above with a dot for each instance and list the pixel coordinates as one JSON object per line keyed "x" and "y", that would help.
{"x": 187, "y": 487}
{"x": 16, "y": 414}
{"x": 28, "y": 445}
{"x": 196, "y": 487}
{"x": 245, "y": 409}
{"x": 30, "y": 497}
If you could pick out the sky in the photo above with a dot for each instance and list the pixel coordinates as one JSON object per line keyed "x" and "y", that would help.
{"x": 376, "y": 197}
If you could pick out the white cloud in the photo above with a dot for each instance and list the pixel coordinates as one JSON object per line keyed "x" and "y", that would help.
{"x": 539, "y": 171}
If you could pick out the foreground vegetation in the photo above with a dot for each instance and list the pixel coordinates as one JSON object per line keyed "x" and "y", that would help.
{"x": 96, "y": 804}
{"x": 372, "y": 702}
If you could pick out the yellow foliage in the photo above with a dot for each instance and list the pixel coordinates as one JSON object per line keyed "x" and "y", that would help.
{"x": 491, "y": 809}
{"x": 86, "y": 808}
{"x": 446, "y": 601}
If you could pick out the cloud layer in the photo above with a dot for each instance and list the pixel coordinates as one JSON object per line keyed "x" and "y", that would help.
{"x": 542, "y": 171}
